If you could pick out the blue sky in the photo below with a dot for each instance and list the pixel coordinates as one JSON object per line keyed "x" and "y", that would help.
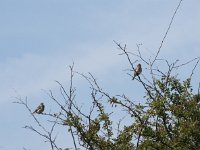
{"x": 39, "y": 39}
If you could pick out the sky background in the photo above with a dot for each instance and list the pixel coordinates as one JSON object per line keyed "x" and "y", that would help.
{"x": 39, "y": 39}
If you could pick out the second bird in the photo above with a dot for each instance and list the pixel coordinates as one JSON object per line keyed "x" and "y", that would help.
{"x": 39, "y": 109}
{"x": 137, "y": 71}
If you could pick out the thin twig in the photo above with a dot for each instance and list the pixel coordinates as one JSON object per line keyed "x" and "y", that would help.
{"x": 194, "y": 68}
{"x": 166, "y": 33}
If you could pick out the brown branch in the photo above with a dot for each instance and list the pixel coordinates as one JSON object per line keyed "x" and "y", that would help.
{"x": 194, "y": 68}
{"x": 166, "y": 33}
{"x": 125, "y": 52}
{"x": 187, "y": 62}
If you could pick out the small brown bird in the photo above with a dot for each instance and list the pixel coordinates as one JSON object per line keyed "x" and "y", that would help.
{"x": 137, "y": 71}
{"x": 39, "y": 109}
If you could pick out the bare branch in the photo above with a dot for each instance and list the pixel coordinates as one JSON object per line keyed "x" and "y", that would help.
{"x": 166, "y": 33}
{"x": 126, "y": 53}
{"x": 186, "y": 62}
{"x": 194, "y": 68}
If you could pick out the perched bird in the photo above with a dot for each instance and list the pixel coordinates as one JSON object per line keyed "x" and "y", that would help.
{"x": 39, "y": 109}
{"x": 137, "y": 71}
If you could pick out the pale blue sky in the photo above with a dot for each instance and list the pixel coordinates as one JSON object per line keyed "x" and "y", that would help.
{"x": 40, "y": 38}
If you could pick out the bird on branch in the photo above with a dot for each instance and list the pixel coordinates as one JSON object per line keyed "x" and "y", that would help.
{"x": 39, "y": 109}
{"x": 137, "y": 71}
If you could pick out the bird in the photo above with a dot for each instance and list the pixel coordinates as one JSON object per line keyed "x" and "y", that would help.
{"x": 137, "y": 71}
{"x": 39, "y": 109}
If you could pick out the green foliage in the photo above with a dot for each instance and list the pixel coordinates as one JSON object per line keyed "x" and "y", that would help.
{"x": 170, "y": 119}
